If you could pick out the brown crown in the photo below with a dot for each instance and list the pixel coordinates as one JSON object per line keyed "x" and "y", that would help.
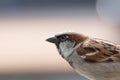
{"x": 76, "y": 37}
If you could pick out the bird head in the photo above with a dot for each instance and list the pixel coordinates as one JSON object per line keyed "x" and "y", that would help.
{"x": 66, "y": 41}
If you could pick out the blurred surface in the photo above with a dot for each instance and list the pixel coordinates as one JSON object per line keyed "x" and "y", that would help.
{"x": 109, "y": 11}
{"x": 51, "y": 76}
{"x": 24, "y": 27}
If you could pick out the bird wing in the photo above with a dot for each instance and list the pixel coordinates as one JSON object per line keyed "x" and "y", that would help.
{"x": 94, "y": 50}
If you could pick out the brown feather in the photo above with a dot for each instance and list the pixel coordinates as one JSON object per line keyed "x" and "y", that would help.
{"x": 103, "y": 51}
{"x": 77, "y": 37}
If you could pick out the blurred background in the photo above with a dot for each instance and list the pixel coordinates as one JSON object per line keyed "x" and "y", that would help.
{"x": 25, "y": 24}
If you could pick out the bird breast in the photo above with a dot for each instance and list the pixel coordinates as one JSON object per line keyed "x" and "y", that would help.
{"x": 95, "y": 71}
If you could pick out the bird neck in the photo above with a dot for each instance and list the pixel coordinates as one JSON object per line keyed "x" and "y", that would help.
{"x": 68, "y": 52}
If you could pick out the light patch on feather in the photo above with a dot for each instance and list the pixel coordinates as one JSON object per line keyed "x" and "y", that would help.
{"x": 118, "y": 46}
{"x": 86, "y": 42}
{"x": 90, "y": 54}
{"x": 83, "y": 56}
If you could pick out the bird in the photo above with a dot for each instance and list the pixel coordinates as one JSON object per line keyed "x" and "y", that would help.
{"x": 92, "y": 58}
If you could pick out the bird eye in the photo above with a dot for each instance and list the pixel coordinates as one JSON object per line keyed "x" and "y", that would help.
{"x": 62, "y": 38}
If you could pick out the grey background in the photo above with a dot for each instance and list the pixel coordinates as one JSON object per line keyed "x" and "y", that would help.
{"x": 46, "y": 8}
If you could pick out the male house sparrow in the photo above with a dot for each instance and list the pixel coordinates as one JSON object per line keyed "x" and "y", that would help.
{"x": 94, "y": 59}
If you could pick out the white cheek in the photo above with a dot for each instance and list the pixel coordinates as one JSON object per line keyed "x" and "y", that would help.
{"x": 63, "y": 47}
{"x": 66, "y": 48}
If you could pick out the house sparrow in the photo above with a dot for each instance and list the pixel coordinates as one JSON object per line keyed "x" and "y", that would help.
{"x": 95, "y": 59}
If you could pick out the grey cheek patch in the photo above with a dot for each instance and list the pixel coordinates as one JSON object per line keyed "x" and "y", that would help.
{"x": 72, "y": 44}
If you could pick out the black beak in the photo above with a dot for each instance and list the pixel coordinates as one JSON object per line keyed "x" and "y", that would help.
{"x": 52, "y": 40}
